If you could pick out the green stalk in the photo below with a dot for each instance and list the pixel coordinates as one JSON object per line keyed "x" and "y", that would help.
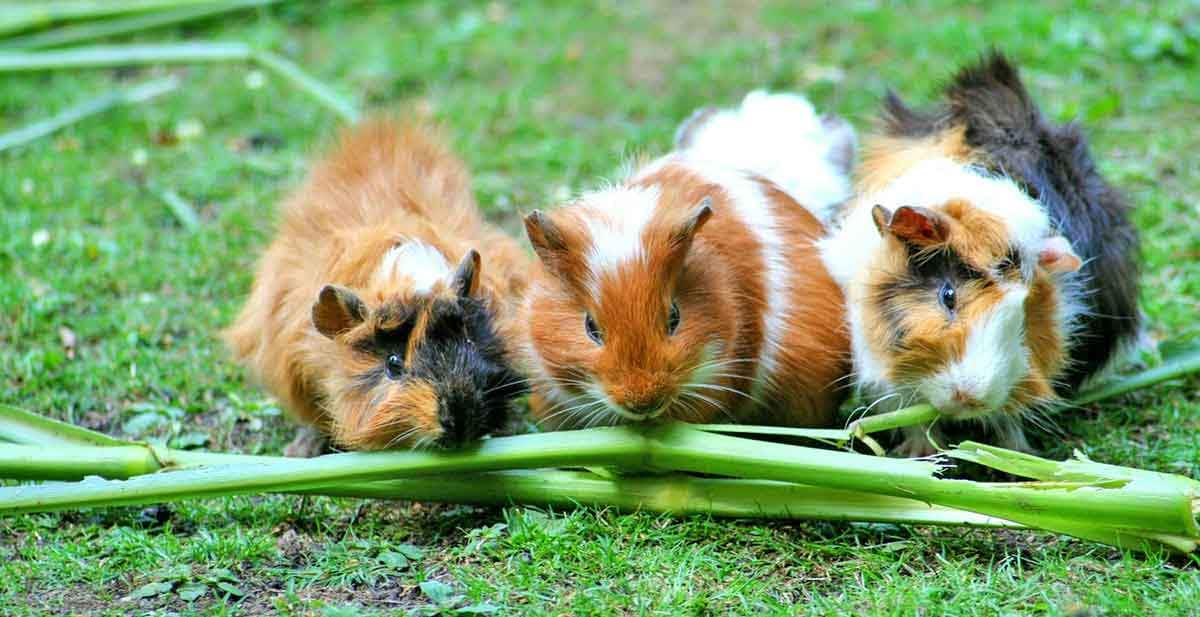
{"x": 608, "y": 446}
{"x": 1176, "y": 365}
{"x": 676, "y": 494}
{"x": 24, "y": 427}
{"x": 1139, "y": 505}
{"x": 909, "y": 416}
{"x": 122, "y": 55}
{"x": 1133, "y": 512}
{"x": 136, "y": 94}
{"x": 672, "y": 494}
{"x": 92, "y": 30}
{"x": 18, "y": 17}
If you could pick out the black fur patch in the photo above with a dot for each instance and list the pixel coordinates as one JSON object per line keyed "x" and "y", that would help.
{"x": 920, "y": 283}
{"x": 1052, "y": 163}
{"x": 464, "y": 359}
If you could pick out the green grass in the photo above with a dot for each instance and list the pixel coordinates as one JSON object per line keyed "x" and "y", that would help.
{"x": 541, "y": 99}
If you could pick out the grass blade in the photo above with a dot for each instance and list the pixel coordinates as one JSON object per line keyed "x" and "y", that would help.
{"x": 174, "y": 53}
{"x": 41, "y": 128}
{"x": 28, "y": 16}
{"x": 122, "y": 55}
{"x": 77, "y": 33}
{"x": 181, "y": 208}
{"x": 319, "y": 91}
{"x": 1176, "y": 365}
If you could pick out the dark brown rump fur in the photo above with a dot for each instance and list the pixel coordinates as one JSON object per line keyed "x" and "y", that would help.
{"x": 1052, "y": 163}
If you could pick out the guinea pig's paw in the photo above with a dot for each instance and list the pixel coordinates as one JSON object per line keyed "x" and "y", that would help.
{"x": 307, "y": 443}
{"x": 917, "y": 443}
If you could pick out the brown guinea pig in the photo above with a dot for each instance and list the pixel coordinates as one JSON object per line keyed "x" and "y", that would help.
{"x": 961, "y": 258}
{"x": 361, "y": 322}
{"x": 692, "y": 290}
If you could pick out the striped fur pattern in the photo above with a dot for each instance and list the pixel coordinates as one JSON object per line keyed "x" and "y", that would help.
{"x": 692, "y": 290}
{"x": 382, "y": 312}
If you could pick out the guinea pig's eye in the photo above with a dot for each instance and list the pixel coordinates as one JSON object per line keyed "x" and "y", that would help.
{"x": 947, "y": 296}
{"x": 395, "y": 366}
{"x": 673, "y": 319}
{"x": 593, "y": 331}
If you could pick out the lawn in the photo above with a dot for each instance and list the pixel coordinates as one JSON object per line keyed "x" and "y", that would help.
{"x": 110, "y": 308}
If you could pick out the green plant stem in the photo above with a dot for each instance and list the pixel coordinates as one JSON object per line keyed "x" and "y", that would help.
{"x": 140, "y": 22}
{"x": 672, "y": 494}
{"x": 675, "y": 494}
{"x": 1136, "y": 506}
{"x": 610, "y": 446}
{"x": 122, "y": 55}
{"x": 24, "y": 427}
{"x": 31, "y": 15}
{"x": 1117, "y": 510}
{"x": 136, "y": 94}
{"x": 1174, "y": 366}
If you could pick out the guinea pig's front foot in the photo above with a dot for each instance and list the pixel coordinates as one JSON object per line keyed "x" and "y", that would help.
{"x": 917, "y": 442}
{"x": 307, "y": 443}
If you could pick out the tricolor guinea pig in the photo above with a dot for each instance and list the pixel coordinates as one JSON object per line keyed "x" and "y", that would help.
{"x": 989, "y": 269}
{"x": 692, "y": 290}
{"x": 382, "y": 312}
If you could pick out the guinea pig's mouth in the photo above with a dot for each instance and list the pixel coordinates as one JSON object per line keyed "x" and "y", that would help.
{"x": 650, "y": 412}
{"x": 962, "y": 403}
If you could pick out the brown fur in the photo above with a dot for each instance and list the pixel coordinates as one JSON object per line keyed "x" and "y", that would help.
{"x": 384, "y": 182}
{"x": 911, "y": 331}
{"x": 716, "y": 277}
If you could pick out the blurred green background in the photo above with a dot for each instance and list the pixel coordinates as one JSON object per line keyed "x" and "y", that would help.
{"x": 110, "y": 307}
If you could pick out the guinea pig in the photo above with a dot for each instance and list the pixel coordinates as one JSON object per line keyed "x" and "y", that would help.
{"x": 989, "y": 269}
{"x": 383, "y": 312}
{"x": 693, "y": 289}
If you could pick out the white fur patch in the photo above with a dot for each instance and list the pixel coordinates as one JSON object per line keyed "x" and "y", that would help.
{"x": 617, "y": 235}
{"x": 780, "y": 137}
{"x": 994, "y": 360}
{"x": 930, "y": 184}
{"x": 849, "y": 250}
{"x": 936, "y": 181}
{"x": 422, "y": 264}
{"x": 752, "y": 207}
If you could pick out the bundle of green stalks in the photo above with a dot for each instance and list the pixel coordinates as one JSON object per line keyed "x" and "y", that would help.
{"x": 673, "y": 468}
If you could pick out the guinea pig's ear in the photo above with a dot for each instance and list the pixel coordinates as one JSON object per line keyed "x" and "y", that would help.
{"x": 683, "y": 234}
{"x": 465, "y": 280}
{"x": 915, "y": 225}
{"x": 543, "y": 234}
{"x": 337, "y": 310}
{"x": 1056, "y": 255}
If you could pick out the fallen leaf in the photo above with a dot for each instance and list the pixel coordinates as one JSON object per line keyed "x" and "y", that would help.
{"x": 393, "y": 559}
{"x": 411, "y": 551}
{"x": 149, "y": 590}
{"x": 439, "y": 592}
{"x": 230, "y": 588}
{"x": 191, "y": 591}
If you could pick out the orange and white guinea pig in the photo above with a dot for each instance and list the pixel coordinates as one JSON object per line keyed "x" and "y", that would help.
{"x": 692, "y": 290}
{"x": 383, "y": 311}
{"x": 961, "y": 259}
